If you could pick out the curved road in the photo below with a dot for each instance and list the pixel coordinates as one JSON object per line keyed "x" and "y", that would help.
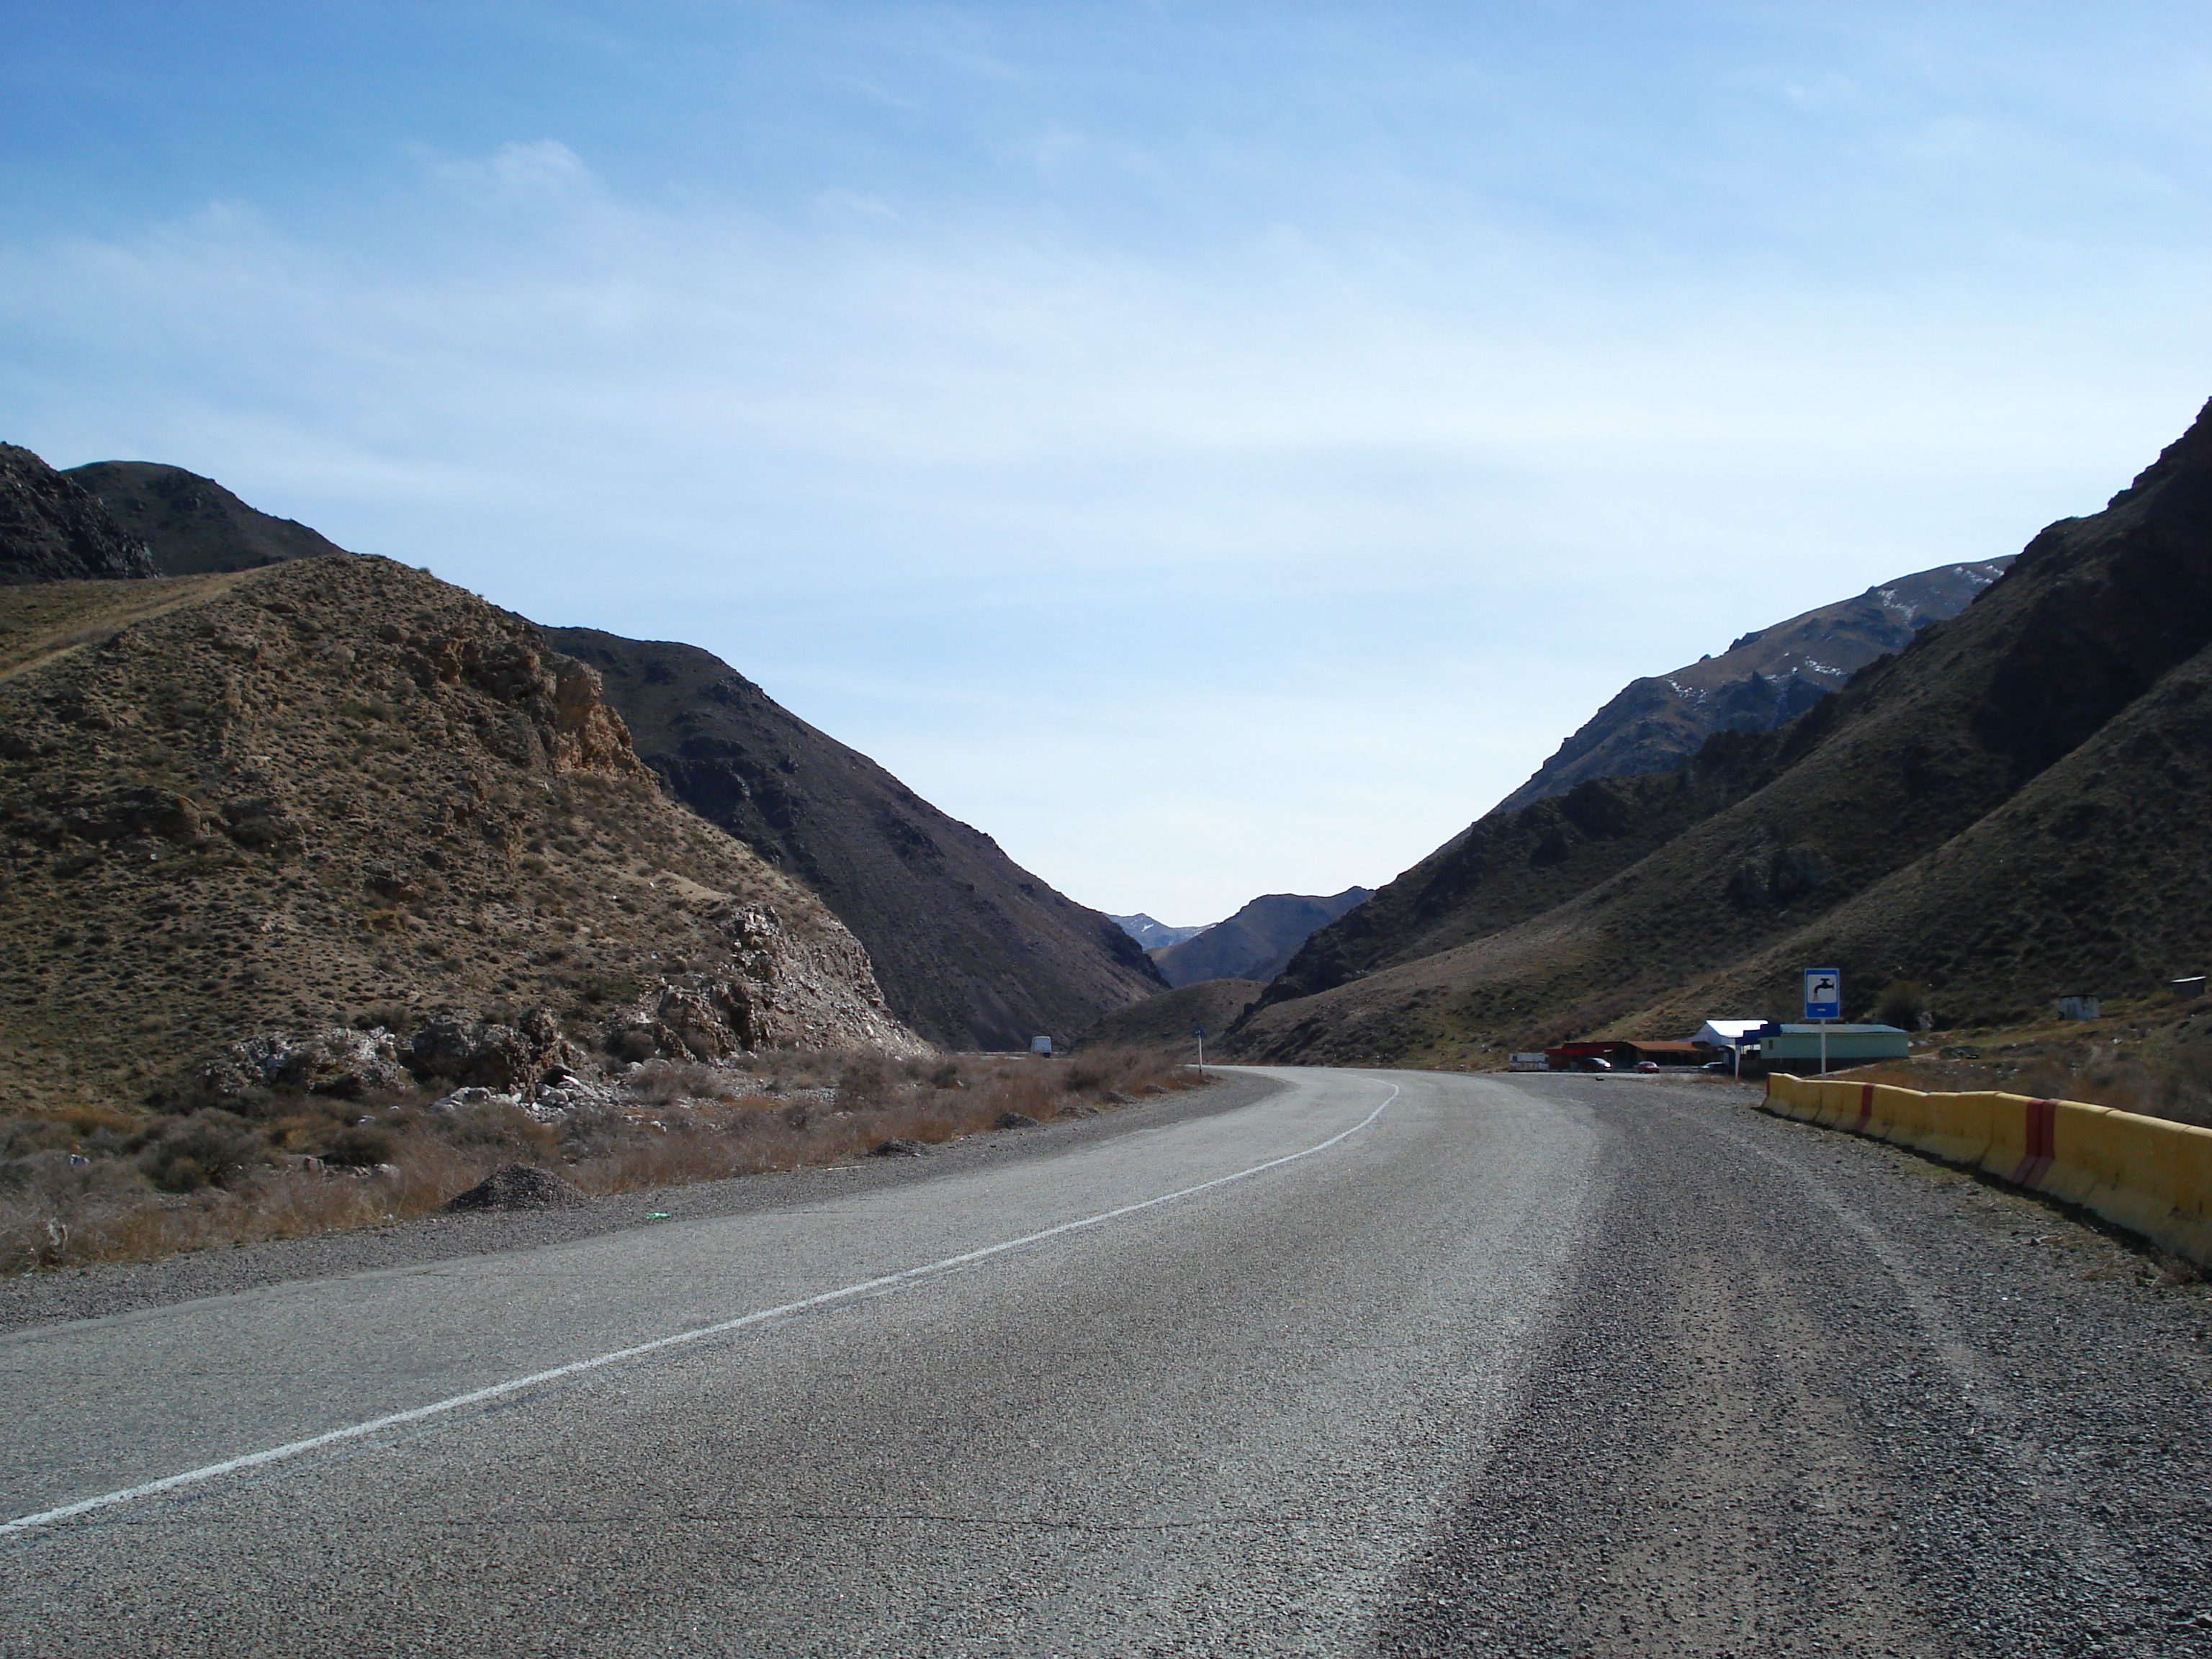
{"x": 1381, "y": 1362}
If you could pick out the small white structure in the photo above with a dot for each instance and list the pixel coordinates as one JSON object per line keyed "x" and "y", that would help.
{"x": 1535, "y": 1062}
{"x": 1040, "y": 1045}
{"x": 1726, "y": 1033}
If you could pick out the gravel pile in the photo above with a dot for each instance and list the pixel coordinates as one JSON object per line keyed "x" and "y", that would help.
{"x": 518, "y": 1187}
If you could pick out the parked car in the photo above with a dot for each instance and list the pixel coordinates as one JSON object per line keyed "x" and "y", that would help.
{"x": 1647, "y": 1065}
{"x": 1592, "y": 1063}
{"x": 1725, "y": 1065}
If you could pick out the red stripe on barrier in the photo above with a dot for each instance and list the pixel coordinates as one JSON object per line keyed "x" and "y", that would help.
{"x": 2042, "y": 1128}
{"x": 1866, "y": 1107}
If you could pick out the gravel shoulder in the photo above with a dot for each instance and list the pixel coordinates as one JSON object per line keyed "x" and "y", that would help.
{"x": 1806, "y": 1394}
{"x": 36, "y": 1299}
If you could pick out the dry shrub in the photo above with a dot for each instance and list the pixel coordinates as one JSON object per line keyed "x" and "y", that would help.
{"x": 72, "y": 1192}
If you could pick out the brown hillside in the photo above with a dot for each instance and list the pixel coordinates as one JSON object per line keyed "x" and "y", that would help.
{"x": 1818, "y": 832}
{"x": 347, "y": 794}
{"x": 972, "y": 951}
{"x": 193, "y": 525}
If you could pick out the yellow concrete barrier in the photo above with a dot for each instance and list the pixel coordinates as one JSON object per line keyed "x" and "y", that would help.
{"x": 2145, "y": 1174}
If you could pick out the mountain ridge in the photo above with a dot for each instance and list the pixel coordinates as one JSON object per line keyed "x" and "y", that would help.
{"x": 1826, "y": 834}
{"x": 1766, "y": 678}
{"x": 191, "y": 524}
{"x": 972, "y": 950}
{"x": 1256, "y": 942}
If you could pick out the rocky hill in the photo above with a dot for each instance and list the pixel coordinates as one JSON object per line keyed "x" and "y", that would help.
{"x": 972, "y": 951}
{"x": 2006, "y": 810}
{"x": 192, "y": 525}
{"x": 1762, "y": 680}
{"x": 338, "y": 825}
{"x": 1254, "y": 943}
{"x": 969, "y": 948}
{"x": 52, "y": 530}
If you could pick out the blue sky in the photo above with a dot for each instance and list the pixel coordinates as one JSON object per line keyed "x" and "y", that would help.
{"x": 1215, "y": 449}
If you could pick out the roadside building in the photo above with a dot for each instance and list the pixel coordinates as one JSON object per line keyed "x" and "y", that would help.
{"x": 1718, "y": 1033}
{"x": 1798, "y": 1048}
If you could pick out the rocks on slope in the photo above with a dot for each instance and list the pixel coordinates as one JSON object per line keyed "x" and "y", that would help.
{"x": 971, "y": 949}
{"x": 2007, "y": 810}
{"x": 192, "y": 525}
{"x": 1764, "y": 679}
{"x": 52, "y": 530}
{"x": 1257, "y": 941}
{"x": 337, "y": 796}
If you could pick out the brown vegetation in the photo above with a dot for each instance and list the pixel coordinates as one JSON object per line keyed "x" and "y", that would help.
{"x": 91, "y": 1188}
{"x": 2153, "y": 1056}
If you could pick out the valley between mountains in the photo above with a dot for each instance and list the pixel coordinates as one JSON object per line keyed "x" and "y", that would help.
{"x": 298, "y": 842}
{"x": 510, "y": 1139}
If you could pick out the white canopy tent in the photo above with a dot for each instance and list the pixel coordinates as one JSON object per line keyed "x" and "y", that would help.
{"x": 1726, "y": 1033}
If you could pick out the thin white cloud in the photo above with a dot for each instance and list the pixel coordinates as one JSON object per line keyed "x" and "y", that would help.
{"x": 544, "y": 170}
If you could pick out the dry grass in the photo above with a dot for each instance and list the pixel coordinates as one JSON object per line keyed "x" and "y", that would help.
{"x": 79, "y": 1192}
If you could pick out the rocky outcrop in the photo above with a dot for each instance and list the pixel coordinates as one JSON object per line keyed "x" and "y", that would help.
{"x": 457, "y": 1045}
{"x": 53, "y": 531}
{"x": 331, "y": 1060}
{"x": 338, "y": 795}
{"x": 778, "y": 988}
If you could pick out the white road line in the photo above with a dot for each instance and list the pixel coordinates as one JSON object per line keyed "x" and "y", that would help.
{"x": 497, "y": 1390}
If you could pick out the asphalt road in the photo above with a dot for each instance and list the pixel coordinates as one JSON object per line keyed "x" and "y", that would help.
{"x": 1514, "y": 1365}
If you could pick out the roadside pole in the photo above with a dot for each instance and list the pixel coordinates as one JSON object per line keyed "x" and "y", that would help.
{"x": 1824, "y": 1001}
{"x": 1200, "y": 1033}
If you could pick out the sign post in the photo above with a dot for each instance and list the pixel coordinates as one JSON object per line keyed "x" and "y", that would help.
{"x": 1200, "y": 1033}
{"x": 1824, "y": 1001}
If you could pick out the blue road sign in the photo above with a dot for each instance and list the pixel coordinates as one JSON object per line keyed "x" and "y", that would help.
{"x": 1823, "y": 993}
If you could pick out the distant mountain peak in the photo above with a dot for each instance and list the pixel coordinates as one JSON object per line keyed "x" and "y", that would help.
{"x": 1257, "y": 941}
{"x": 1766, "y": 678}
{"x": 1155, "y": 935}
